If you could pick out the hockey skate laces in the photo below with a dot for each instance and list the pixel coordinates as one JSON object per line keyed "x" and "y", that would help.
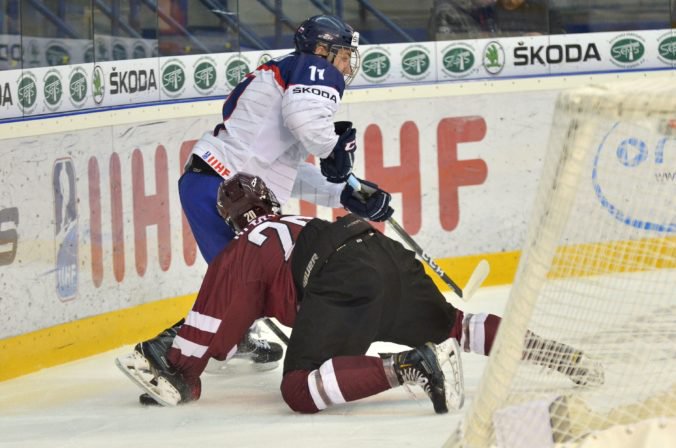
{"x": 261, "y": 343}
{"x": 412, "y": 376}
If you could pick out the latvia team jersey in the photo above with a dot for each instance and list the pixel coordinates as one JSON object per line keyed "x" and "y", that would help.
{"x": 274, "y": 119}
{"x": 250, "y": 279}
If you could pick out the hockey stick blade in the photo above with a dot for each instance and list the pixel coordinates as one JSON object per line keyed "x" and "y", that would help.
{"x": 475, "y": 281}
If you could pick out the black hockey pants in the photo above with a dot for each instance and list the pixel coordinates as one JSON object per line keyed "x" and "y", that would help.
{"x": 370, "y": 288}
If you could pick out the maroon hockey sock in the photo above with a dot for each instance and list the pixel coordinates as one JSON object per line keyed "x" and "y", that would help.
{"x": 360, "y": 376}
{"x": 475, "y": 332}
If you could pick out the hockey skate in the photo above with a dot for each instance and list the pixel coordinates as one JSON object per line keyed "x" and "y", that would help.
{"x": 253, "y": 349}
{"x": 422, "y": 366}
{"x": 148, "y": 368}
{"x": 451, "y": 365}
{"x": 575, "y": 364}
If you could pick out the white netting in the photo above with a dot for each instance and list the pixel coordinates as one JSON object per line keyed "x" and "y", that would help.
{"x": 597, "y": 273}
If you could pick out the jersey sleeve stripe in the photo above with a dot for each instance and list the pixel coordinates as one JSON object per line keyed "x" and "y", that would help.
{"x": 202, "y": 322}
{"x": 188, "y": 348}
{"x": 231, "y": 103}
{"x": 277, "y": 73}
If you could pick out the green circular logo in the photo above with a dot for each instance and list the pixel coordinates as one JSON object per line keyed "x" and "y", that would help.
{"x": 375, "y": 65}
{"x": 264, "y": 58}
{"x": 494, "y": 58}
{"x": 627, "y": 51}
{"x": 458, "y": 61}
{"x": 667, "y": 49}
{"x": 27, "y": 91}
{"x": 173, "y": 78}
{"x": 78, "y": 87}
{"x": 415, "y": 62}
{"x": 52, "y": 90}
{"x": 98, "y": 85}
{"x": 204, "y": 76}
{"x": 235, "y": 71}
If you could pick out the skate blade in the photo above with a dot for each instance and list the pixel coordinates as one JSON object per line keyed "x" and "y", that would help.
{"x": 137, "y": 369}
{"x": 448, "y": 353}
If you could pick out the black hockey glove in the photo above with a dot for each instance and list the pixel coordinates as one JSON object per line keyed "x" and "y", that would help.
{"x": 338, "y": 165}
{"x": 370, "y": 202}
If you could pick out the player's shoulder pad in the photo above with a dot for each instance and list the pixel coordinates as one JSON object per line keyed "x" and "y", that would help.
{"x": 308, "y": 70}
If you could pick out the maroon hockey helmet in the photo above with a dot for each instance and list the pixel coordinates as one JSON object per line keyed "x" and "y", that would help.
{"x": 243, "y": 198}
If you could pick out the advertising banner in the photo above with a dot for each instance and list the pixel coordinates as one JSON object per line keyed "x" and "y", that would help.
{"x": 63, "y": 82}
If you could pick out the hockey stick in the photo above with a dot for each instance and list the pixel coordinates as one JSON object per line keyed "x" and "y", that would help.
{"x": 479, "y": 274}
{"x": 425, "y": 257}
{"x": 277, "y": 331}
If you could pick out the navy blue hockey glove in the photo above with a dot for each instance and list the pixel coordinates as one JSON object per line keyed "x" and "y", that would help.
{"x": 338, "y": 165}
{"x": 370, "y": 202}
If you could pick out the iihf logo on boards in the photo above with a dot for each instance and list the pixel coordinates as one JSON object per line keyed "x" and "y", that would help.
{"x": 65, "y": 228}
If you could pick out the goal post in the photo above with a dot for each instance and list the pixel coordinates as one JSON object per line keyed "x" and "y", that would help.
{"x": 597, "y": 273}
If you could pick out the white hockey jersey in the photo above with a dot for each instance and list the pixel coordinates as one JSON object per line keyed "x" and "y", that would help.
{"x": 275, "y": 117}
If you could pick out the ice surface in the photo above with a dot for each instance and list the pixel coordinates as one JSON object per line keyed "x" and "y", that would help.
{"x": 90, "y": 403}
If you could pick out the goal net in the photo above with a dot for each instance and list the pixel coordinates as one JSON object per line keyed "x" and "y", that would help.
{"x": 597, "y": 273}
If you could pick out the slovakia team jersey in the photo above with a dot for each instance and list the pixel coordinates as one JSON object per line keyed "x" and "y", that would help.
{"x": 250, "y": 279}
{"x": 276, "y": 116}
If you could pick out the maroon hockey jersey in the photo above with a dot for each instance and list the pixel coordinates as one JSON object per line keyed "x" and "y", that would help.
{"x": 250, "y": 279}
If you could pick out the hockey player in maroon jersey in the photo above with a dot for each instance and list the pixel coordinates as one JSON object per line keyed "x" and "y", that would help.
{"x": 341, "y": 286}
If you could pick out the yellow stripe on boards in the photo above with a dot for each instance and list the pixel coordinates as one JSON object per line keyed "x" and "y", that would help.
{"x": 51, "y": 346}
{"x": 581, "y": 260}
{"x": 577, "y": 260}
{"x": 55, "y": 345}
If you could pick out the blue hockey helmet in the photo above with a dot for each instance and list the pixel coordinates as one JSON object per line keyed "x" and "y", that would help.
{"x": 332, "y": 34}
{"x": 243, "y": 198}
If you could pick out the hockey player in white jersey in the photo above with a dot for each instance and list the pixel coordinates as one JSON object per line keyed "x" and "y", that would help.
{"x": 276, "y": 117}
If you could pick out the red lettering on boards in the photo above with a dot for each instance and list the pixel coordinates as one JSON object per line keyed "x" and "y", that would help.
{"x": 404, "y": 178}
{"x": 454, "y": 173}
